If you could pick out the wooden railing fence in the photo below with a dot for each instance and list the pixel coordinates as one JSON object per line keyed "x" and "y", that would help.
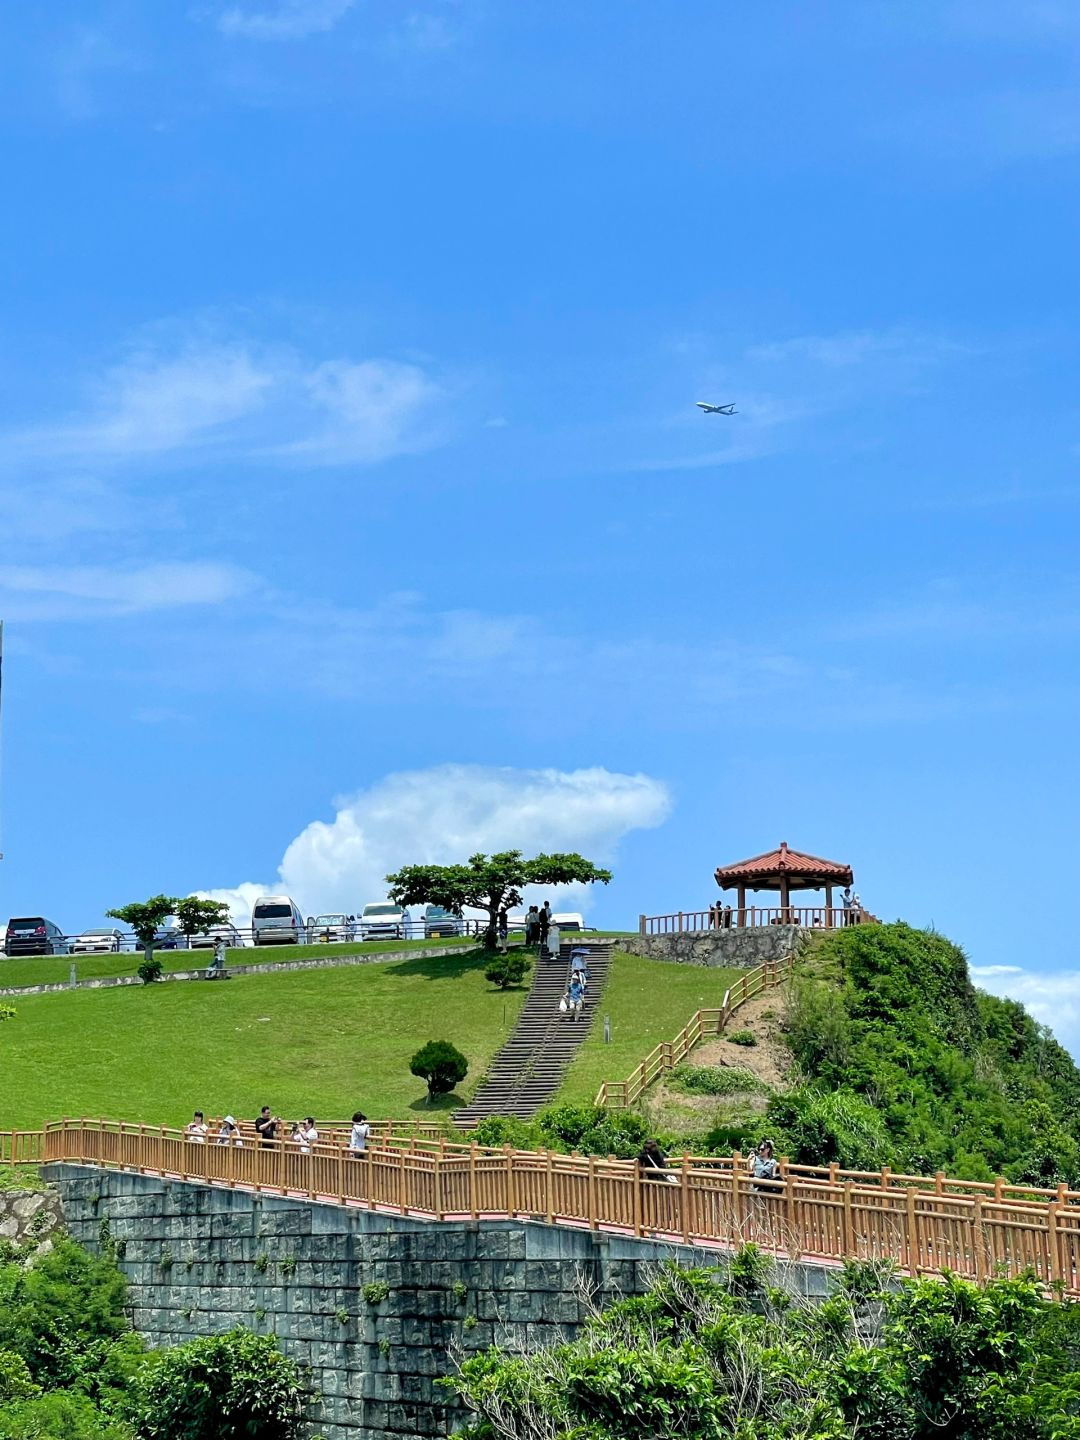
{"x": 619, "y": 1094}
{"x": 925, "y": 1226}
{"x": 753, "y": 917}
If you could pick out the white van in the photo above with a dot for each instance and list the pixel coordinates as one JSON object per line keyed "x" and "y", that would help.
{"x": 276, "y": 920}
{"x": 569, "y": 921}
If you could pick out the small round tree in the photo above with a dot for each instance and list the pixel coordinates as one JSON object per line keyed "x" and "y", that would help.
{"x": 507, "y": 970}
{"x": 441, "y": 1065}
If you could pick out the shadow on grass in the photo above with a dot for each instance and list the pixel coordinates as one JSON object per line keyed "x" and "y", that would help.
{"x": 454, "y": 962}
{"x": 441, "y": 1103}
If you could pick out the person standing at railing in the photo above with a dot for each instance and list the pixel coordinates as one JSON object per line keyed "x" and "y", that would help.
{"x": 306, "y": 1134}
{"x": 762, "y": 1165}
{"x": 359, "y": 1136}
{"x": 845, "y": 901}
{"x": 197, "y": 1130}
{"x": 545, "y": 925}
{"x": 503, "y": 930}
{"x": 652, "y": 1162}
{"x": 267, "y": 1127}
{"x": 229, "y": 1134}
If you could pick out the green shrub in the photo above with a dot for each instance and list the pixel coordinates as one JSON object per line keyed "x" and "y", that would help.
{"x": 7, "y": 1012}
{"x": 742, "y": 1037}
{"x": 60, "y": 1312}
{"x": 149, "y": 970}
{"x": 817, "y": 1127}
{"x": 441, "y": 1065}
{"x": 235, "y": 1386}
{"x": 60, "y": 1415}
{"x": 715, "y": 1080}
{"x": 506, "y": 1130}
{"x": 593, "y": 1130}
{"x": 506, "y": 970}
{"x": 16, "y": 1382}
{"x": 816, "y": 1027}
{"x": 375, "y": 1291}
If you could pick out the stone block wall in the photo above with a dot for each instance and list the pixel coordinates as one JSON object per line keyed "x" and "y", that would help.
{"x": 725, "y": 949}
{"x": 29, "y": 1217}
{"x": 199, "y": 1260}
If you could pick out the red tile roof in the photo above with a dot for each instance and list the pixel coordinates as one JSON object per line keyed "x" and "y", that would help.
{"x": 808, "y": 871}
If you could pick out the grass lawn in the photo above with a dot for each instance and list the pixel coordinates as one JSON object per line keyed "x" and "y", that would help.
{"x": 321, "y": 1042}
{"x": 648, "y": 1001}
{"x": 53, "y": 969}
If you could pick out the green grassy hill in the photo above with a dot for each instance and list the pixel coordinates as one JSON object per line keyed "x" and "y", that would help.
{"x": 321, "y": 1042}
{"x": 647, "y": 1001}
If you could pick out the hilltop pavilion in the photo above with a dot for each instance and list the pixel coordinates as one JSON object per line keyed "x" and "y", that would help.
{"x": 786, "y": 871}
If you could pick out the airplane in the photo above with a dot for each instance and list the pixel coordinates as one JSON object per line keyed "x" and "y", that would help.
{"x": 715, "y": 409}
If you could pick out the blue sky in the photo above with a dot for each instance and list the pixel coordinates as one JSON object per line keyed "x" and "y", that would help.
{"x": 355, "y": 503}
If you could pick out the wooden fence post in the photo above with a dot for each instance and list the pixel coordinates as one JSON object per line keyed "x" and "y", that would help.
{"x": 549, "y": 1175}
{"x": 684, "y": 1198}
{"x": 1053, "y": 1244}
{"x": 592, "y": 1196}
{"x": 641, "y": 924}
{"x": 509, "y": 1152}
{"x": 473, "y": 1208}
{"x": 978, "y": 1238}
{"x": 913, "y": 1257}
{"x": 849, "y": 1226}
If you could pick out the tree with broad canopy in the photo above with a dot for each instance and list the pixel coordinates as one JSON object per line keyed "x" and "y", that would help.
{"x": 489, "y": 882}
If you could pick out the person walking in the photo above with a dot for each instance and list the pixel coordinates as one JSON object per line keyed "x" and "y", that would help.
{"x": 575, "y": 997}
{"x": 652, "y": 1162}
{"x": 219, "y": 955}
{"x": 359, "y": 1136}
{"x": 197, "y": 1129}
{"x": 554, "y": 940}
{"x": 267, "y": 1127}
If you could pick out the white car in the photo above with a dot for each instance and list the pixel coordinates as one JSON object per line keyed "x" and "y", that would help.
{"x": 330, "y": 930}
{"x": 569, "y": 921}
{"x": 228, "y": 933}
{"x": 97, "y": 942}
{"x": 383, "y": 920}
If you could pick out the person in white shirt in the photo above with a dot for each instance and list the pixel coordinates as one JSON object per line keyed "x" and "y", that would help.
{"x": 306, "y": 1135}
{"x": 198, "y": 1129}
{"x": 358, "y": 1137}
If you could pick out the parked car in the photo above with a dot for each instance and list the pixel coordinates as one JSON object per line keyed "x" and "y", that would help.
{"x": 276, "y": 920}
{"x": 170, "y": 937}
{"x": 383, "y": 920}
{"x": 96, "y": 942}
{"x": 330, "y": 929}
{"x": 34, "y": 935}
{"x": 440, "y": 922}
{"x": 226, "y": 931}
{"x": 569, "y": 921}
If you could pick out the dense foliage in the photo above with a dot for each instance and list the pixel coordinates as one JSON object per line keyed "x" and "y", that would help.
{"x": 722, "y": 1355}
{"x": 506, "y": 970}
{"x": 906, "y": 1064}
{"x": 71, "y": 1368}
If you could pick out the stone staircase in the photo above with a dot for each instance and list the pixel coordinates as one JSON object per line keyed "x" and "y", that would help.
{"x": 529, "y": 1069}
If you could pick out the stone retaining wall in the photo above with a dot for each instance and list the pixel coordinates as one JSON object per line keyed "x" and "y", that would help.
{"x": 266, "y": 967}
{"x": 199, "y": 1260}
{"x": 29, "y": 1217}
{"x": 722, "y": 948}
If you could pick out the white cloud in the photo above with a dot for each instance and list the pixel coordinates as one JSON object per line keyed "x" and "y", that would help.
{"x": 246, "y": 402}
{"x": 448, "y": 813}
{"x": 288, "y": 20}
{"x": 90, "y": 591}
{"x": 858, "y": 348}
{"x": 371, "y": 410}
{"x": 1053, "y": 998}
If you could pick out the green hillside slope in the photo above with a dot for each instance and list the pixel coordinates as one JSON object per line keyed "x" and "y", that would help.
{"x": 316, "y": 1042}
{"x": 906, "y": 1064}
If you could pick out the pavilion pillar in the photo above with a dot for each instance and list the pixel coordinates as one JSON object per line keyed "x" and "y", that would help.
{"x": 785, "y": 901}
{"x": 742, "y": 904}
{"x": 828, "y": 904}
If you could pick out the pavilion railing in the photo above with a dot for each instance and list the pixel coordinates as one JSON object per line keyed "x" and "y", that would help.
{"x": 716, "y": 917}
{"x": 923, "y": 1225}
{"x": 619, "y": 1094}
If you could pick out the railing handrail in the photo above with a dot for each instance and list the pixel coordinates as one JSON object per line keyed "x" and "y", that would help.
{"x": 619, "y": 1094}
{"x": 753, "y": 917}
{"x": 924, "y": 1225}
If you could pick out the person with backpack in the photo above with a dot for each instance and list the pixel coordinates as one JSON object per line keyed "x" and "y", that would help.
{"x": 359, "y": 1136}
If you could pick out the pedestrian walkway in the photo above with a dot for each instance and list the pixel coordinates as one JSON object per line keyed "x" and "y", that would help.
{"x": 528, "y": 1070}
